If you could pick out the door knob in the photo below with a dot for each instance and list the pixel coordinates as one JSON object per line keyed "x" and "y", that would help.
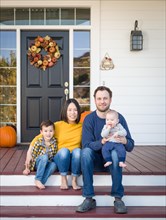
{"x": 66, "y": 84}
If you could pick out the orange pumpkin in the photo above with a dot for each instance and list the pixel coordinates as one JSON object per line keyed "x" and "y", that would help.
{"x": 83, "y": 115}
{"x": 8, "y": 137}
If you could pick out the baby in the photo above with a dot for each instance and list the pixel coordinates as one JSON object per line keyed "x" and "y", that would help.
{"x": 112, "y": 130}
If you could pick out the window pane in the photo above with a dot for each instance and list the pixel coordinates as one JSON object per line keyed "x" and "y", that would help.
{"x": 67, "y": 16}
{"x": 81, "y": 39}
{"x": 82, "y": 95}
{"x": 7, "y": 58}
{"x": 7, "y": 16}
{"x": 7, "y": 39}
{"x": 37, "y": 16}
{"x": 82, "y": 60}
{"x": 22, "y": 16}
{"x": 83, "y": 16}
{"x": 7, "y": 76}
{"x": 8, "y": 114}
{"x": 8, "y": 95}
{"x": 85, "y": 108}
{"x": 52, "y": 16}
{"x": 81, "y": 76}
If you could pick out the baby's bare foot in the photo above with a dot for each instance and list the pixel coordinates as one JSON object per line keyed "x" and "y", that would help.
{"x": 39, "y": 184}
{"x": 121, "y": 164}
{"x": 107, "y": 164}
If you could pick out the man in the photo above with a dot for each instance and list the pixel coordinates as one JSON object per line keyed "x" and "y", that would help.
{"x": 91, "y": 157}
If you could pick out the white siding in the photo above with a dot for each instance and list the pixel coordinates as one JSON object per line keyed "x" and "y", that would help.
{"x": 138, "y": 79}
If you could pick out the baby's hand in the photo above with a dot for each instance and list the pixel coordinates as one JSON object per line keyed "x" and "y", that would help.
{"x": 116, "y": 135}
{"x": 108, "y": 126}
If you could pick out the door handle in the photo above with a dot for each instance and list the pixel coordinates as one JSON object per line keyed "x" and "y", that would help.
{"x": 66, "y": 92}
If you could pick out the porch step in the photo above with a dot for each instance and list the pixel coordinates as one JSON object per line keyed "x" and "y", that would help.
{"x": 99, "y": 190}
{"x": 100, "y": 178}
{"x": 68, "y": 213}
{"x": 52, "y": 195}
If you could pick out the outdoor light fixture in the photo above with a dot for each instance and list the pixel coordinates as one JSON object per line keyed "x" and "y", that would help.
{"x": 136, "y": 39}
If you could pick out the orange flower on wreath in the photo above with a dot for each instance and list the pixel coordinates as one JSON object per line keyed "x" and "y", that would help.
{"x": 50, "y": 47}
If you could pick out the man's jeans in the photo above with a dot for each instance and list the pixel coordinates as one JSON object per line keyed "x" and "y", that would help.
{"x": 90, "y": 160}
{"x": 67, "y": 161}
{"x": 44, "y": 168}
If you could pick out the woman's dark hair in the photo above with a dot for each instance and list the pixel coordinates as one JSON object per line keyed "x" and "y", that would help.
{"x": 103, "y": 88}
{"x": 65, "y": 107}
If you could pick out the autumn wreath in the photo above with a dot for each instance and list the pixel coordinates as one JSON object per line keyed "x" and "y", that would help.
{"x": 50, "y": 47}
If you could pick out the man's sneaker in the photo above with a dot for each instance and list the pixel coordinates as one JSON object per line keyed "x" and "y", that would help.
{"x": 87, "y": 205}
{"x": 119, "y": 207}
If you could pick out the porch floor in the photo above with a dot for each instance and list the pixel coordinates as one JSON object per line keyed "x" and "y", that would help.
{"x": 143, "y": 160}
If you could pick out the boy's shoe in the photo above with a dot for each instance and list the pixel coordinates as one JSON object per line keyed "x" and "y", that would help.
{"x": 87, "y": 205}
{"x": 119, "y": 207}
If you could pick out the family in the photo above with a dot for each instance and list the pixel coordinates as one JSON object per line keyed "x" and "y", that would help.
{"x": 100, "y": 143}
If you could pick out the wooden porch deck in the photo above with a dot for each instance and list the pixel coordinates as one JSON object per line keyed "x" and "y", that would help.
{"x": 143, "y": 160}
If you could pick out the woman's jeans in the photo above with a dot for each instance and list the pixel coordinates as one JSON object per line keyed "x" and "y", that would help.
{"x": 67, "y": 161}
{"x": 90, "y": 160}
{"x": 44, "y": 168}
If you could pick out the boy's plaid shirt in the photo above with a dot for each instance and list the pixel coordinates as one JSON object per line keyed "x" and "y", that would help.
{"x": 40, "y": 148}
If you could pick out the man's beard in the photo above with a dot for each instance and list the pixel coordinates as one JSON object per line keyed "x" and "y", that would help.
{"x": 103, "y": 110}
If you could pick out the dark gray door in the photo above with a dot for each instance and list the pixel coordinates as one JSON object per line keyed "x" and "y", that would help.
{"x": 42, "y": 92}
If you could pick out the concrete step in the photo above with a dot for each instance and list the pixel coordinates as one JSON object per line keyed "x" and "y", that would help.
{"x": 54, "y": 196}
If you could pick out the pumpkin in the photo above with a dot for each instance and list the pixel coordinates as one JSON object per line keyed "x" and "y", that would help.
{"x": 83, "y": 115}
{"x": 8, "y": 136}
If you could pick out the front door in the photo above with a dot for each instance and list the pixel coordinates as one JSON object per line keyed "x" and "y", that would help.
{"x": 42, "y": 92}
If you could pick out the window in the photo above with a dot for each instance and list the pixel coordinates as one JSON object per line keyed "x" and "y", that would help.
{"x": 8, "y": 77}
{"x": 22, "y": 16}
{"x": 6, "y": 16}
{"x": 45, "y": 16}
{"x": 81, "y": 69}
{"x": 52, "y": 16}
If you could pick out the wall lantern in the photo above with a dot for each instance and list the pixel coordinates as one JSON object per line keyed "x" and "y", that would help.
{"x": 136, "y": 39}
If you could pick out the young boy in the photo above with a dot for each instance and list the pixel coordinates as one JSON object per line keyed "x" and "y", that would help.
{"x": 39, "y": 157}
{"x": 111, "y": 130}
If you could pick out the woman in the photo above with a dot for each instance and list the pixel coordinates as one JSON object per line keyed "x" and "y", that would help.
{"x": 68, "y": 133}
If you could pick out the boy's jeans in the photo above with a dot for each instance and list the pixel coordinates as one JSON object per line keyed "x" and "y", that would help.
{"x": 90, "y": 160}
{"x": 68, "y": 161}
{"x": 44, "y": 168}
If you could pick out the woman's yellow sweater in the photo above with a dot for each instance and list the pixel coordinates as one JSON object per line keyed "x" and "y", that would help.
{"x": 67, "y": 135}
